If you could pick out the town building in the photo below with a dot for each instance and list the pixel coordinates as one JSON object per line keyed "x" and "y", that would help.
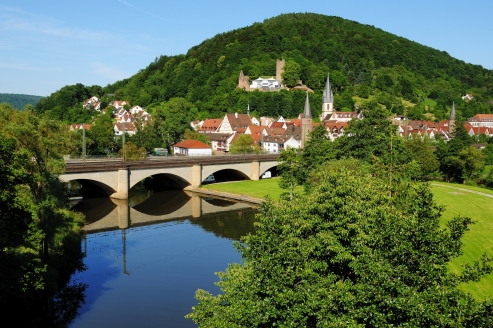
{"x": 192, "y": 148}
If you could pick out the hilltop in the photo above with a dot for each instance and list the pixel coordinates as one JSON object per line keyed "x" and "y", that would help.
{"x": 364, "y": 63}
{"x": 19, "y": 101}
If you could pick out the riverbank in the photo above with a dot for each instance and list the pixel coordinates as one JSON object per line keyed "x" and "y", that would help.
{"x": 463, "y": 200}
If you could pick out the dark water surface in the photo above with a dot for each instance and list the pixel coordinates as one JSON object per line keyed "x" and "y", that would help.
{"x": 144, "y": 272}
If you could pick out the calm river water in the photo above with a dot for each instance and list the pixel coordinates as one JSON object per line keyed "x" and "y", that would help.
{"x": 147, "y": 257}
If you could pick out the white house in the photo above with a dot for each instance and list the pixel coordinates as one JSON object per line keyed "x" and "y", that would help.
{"x": 92, "y": 102}
{"x": 292, "y": 143}
{"x": 135, "y": 109}
{"x": 120, "y": 127}
{"x": 219, "y": 141}
{"x": 265, "y": 83}
{"x": 192, "y": 148}
{"x": 482, "y": 120}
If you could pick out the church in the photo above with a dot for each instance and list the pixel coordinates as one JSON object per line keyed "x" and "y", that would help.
{"x": 335, "y": 122}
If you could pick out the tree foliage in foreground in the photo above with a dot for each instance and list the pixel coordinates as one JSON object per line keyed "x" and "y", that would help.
{"x": 39, "y": 239}
{"x": 352, "y": 253}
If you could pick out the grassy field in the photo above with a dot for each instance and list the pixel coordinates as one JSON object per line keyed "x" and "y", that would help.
{"x": 257, "y": 189}
{"x": 477, "y": 240}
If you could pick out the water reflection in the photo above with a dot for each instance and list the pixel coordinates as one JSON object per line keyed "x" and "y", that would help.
{"x": 146, "y": 261}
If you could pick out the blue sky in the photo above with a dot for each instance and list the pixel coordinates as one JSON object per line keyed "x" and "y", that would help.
{"x": 45, "y": 45}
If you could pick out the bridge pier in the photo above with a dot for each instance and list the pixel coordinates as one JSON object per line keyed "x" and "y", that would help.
{"x": 196, "y": 175}
{"x": 123, "y": 183}
{"x": 255, "y": 176}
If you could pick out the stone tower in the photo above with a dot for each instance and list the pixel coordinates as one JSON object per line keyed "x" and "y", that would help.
{"x": 451, "y": 120}
{"x": 306, "y": 122}
{"x": 280, "y": 69}
{"x": 327, "y": 100}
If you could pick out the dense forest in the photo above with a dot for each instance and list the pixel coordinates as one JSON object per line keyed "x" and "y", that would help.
{"x": 364, "y": 62}
{"x": 19, "y": 101}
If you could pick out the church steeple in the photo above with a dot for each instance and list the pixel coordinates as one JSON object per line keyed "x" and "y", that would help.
{"x": 451, "y": 120}
{"x": 452, "y": 112}
{"x": 327, "y": 100}
{"x": 328, "y": 96}
{"x": 306, "y": 122}
{"x": 307, "y": 113}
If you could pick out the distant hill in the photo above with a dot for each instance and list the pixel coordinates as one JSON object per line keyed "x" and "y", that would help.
{"x": 364, "y": 62}
{"x": 19, "y": 101}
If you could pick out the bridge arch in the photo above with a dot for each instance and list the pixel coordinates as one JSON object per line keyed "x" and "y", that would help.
{"x": 163, "y": 181}
{"x": 189, "y": 173}
{"x": 108, "y": 183}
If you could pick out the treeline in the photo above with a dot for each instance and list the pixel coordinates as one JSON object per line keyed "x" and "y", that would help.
{"x": 40, "y": 244}
{"x": 363, "y": 62}
{"x": 19, "y": 101}
{"x": 374, "y": 140}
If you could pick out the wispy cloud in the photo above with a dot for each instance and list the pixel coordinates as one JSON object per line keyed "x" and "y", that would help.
{"x": 141, "y": 10}
{"x": 15, "y": 19}
{"x": 28, "y": 67}
{"x": 112, "y": 73}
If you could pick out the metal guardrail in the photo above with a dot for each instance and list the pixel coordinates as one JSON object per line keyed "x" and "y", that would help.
{"x": 75, "y": 166}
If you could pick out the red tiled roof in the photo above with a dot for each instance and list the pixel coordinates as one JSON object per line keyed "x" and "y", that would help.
{"x": 192, "y": 144}
{"x": 211, "y": 124}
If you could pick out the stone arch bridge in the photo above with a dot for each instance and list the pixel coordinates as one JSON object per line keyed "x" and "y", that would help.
{"x": 116, "y": 177}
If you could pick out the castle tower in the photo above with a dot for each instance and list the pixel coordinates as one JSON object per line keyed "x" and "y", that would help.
{"x": 306, "y": 122}
{"x": 327, "y": 100}
{"x": 280, "y": 69}
{"x": 451, "y": 120}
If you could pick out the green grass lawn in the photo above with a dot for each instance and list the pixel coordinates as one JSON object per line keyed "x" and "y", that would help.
{"x": 477, "y": 240}
{"x": 257, "y": 189}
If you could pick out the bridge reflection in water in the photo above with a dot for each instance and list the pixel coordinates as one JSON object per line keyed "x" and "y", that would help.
{"x": 146, "y": 257}
{"x": 106, "y": 214}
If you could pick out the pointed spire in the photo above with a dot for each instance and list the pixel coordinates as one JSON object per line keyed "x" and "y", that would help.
{"x": 307, "y": 113}
{"x": 248, "y": 109}
{"x": 452, "y": 112}
{"x": 328, "y": 96}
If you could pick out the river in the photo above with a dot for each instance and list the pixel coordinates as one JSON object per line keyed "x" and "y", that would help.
{"x": 147, "y": 257}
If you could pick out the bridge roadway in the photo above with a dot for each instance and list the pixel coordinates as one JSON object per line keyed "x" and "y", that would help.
{"x": 116, "y": 177}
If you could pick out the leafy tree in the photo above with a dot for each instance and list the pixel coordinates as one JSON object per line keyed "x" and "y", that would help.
{"x": 373, "y": 137}
{"x": 102, "y": 135}
{"x": 40, "y": 242}
{"x": 422, "y": 153}
{"x": 194, "y": 135}
{"x": 473, "y": 160}
{"x": 290, "y": 169}
{"x": 352, "y": 254}
{"x": 132, "y": 152}
{"x": 146, "y": 136}
{"x": 291, "y": 75}
{"x": 172, "y": 119}
{"x": 244, "y": 144}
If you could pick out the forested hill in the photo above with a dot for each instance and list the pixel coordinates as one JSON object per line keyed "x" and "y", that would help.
{"x": 19, "y": 101}
{"x": 364, "y": 63}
